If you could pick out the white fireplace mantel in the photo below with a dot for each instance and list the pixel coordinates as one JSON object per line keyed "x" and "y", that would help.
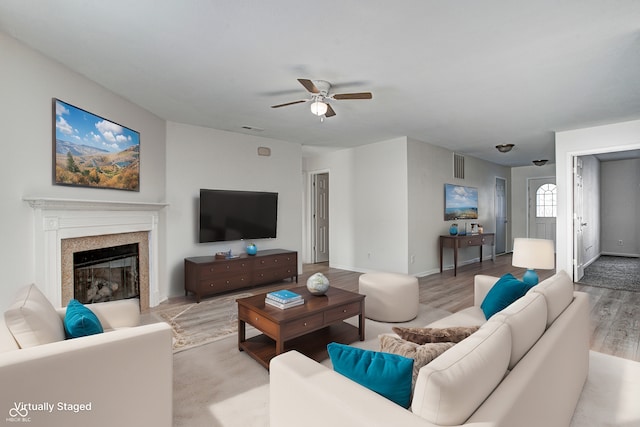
{"x": 75, "y": 204}
{"x": 58, "y": 219}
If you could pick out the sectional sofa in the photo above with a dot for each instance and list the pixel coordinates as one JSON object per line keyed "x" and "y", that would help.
{"x": 525, "y": 366}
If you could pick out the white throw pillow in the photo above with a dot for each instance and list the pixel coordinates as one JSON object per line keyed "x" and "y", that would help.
{"x": 32, "y": 319}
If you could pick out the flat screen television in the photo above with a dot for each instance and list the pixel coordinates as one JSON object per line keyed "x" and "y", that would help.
{"x": 227, "y": 215}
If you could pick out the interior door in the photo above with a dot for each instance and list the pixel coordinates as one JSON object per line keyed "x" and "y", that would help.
{"x": 321, "y": 217}
{"x": 501, "y": 215}
{"x": 578, "y": 220}
{"x": 542, "y": 208}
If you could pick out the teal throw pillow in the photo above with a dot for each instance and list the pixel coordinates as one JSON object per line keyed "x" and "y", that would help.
{"x": 505, "y": 291}
{"x": 79, "y": 321}
{"x": 389, "y": 375}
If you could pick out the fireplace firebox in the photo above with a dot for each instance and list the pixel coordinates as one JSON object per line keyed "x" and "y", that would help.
{"x": 106, "y": 274}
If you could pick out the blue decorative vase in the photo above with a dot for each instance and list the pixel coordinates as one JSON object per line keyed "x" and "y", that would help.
{"x": 252, "y": 249}
{"x": 453, "y": 230}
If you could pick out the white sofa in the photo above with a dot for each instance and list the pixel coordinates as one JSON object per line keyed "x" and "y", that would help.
{"x": 524, "y": 367}
{"x": 123, "y": 376}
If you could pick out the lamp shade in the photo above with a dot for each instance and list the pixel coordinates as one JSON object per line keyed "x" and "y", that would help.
{"x": 533, "y": 253}
{"x": 318, "y": 108}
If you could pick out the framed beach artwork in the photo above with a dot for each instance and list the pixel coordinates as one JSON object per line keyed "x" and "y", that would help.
{"x": 91, "y": 151}
{"x": 460, "y": 202}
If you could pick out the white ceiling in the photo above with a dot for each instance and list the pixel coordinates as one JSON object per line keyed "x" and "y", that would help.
{"x": 465, "y": 74}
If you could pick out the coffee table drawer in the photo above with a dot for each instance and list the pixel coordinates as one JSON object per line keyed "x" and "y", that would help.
{"x": 258, "y": 321}
{"x": 302, "y": 326}
{"x": 343, "y": 312}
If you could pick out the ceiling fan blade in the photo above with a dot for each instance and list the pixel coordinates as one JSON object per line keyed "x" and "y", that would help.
{"x": 289, "y": 103}
{"x": 360, "y": 95}
{"x": 309, "y": 86}
{"x": 330, "y": 112}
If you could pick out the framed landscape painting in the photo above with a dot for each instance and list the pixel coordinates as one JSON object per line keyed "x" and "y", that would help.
{"x": 460, "y": 202}
{"x": 91, "y": 151}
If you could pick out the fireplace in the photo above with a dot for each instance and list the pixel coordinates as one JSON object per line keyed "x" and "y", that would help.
{"x": 106, "y": 274}
{"x": 63, "y": 227}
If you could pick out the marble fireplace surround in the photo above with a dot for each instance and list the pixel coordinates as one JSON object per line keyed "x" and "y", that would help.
{"x": 63, "y": 226}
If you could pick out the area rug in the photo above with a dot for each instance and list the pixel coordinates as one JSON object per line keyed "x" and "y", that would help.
{"x": 215, "y": 385}
{"x": 200, "y": 323}
{"x": 613, "y": 272}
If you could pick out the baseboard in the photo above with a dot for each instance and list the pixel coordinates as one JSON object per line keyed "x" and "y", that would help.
{"x": 621, "y": 254}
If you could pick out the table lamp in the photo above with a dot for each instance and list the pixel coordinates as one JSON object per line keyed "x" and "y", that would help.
{"x": 533, "y": 253}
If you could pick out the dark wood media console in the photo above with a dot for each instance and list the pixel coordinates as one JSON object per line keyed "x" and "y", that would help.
{"x": 206, "y": 276}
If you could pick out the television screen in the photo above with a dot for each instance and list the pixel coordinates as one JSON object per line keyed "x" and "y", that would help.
{"x": 237, "y": 215}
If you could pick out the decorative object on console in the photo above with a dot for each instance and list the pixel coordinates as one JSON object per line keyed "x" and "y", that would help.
{"x": 453, "y": 229}
{"x": 318, "y": 284}
{"x": 387, "y": 374}
{"x": 504, "y": 148}
{"x": 533, "y": 253}
{"x": 85, "y": 162}
{"x": 252, "y": 249}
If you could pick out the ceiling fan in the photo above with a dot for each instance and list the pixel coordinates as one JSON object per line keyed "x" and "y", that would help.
{"x": 320, "y": 94}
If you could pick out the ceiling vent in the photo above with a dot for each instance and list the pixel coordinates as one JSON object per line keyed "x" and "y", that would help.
{"x": 458, "y": 166}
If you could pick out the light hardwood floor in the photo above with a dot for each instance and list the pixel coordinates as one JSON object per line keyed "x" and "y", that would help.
{"x": 615, "y": 315}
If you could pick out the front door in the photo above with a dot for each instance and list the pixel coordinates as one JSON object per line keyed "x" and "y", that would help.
{"x": 543, "y": 197}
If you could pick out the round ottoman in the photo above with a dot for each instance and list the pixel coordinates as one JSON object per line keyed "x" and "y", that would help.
{"x": 391, "y": 297}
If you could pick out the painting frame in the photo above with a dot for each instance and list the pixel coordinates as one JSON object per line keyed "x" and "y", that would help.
{"x": 92, "y": 151}
{"x": 460, "y": 202}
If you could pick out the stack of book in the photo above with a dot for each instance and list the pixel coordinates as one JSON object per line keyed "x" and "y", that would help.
{"x": 283, "y": 299}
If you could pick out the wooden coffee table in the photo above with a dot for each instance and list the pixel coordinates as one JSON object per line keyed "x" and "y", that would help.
{"x": 307, "y": 328}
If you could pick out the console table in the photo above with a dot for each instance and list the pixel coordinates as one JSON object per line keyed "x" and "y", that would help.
{"x": 206, "y": 275}
{"x": 457, "y": 242}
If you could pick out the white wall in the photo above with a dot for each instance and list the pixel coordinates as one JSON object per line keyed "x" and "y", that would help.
{"x": 200, "y": 157}
{"x": 380, "y": 206}
{"x": 620, "y": 186}
{"x": 367, "y": 205}
{"x": 386, "y": 204}
{"x": 431, "y": 167}
{"x": 340, "y": 165}
{"x": 600, "y": 139}
{"x": 28, "y": 82}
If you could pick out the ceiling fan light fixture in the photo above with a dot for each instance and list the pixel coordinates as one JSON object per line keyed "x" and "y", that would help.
{"x": 504, "y": 148}
{"x": 540, "y": 162}
{"x": 318, "y": 108}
